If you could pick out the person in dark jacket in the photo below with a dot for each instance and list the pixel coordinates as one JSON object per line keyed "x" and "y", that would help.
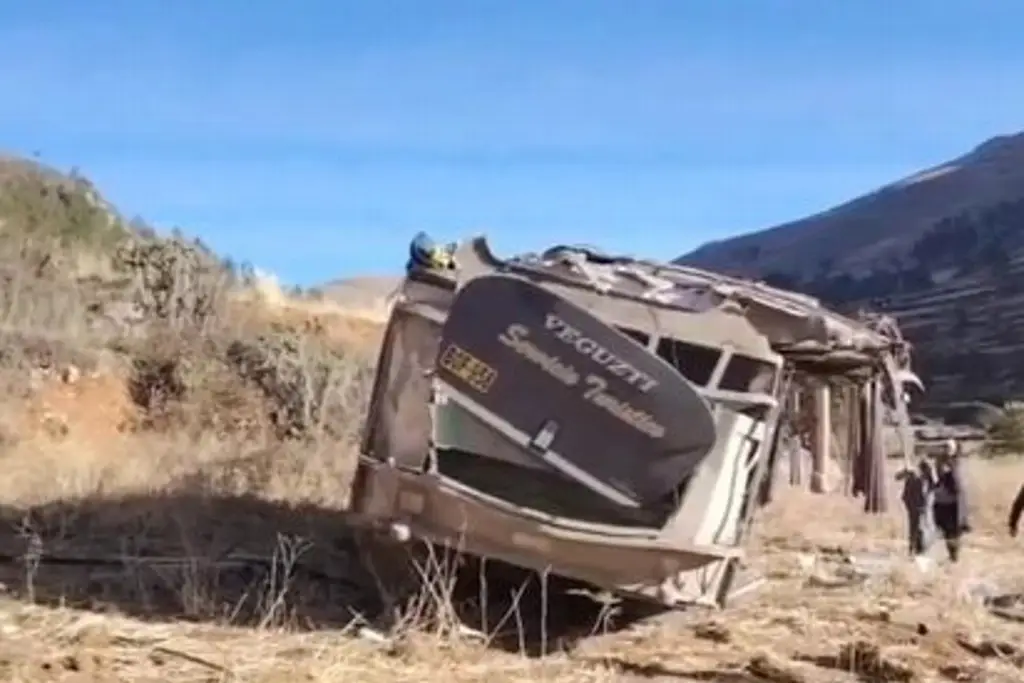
{"x": 950, "y": 502}
{"x": 1015, "y": 511}
{"x": 918, "y": 489}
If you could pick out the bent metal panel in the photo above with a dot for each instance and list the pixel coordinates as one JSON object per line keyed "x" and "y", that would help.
{"x": 534, "y": 358}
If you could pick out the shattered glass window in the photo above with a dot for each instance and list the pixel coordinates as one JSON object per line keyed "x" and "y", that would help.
{"x": 748, "y": 374}
{"x": 697, "y": 363}
{"x": 694, "y": 362}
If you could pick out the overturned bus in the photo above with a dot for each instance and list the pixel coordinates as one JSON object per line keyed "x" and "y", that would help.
{"x": 607, "y": 419}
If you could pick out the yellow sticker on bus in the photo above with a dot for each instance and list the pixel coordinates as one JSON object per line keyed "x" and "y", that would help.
{"x": 467, "y": 367}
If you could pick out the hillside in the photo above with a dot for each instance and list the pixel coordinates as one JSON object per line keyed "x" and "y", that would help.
{"x": 943, "y": 250}
{"x": 367, "y": 295}
{"x": 178, "y": 437}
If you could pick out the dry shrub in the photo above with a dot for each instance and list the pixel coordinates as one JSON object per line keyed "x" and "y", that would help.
{"x": 202, "y": 366}
{"x": 184, "y": 385}
{"x": 157, "y": 385}
{"x": 316, "y": 391}
{"x": 174, "y": 282}
{"x": 1006, "y": 432}
{"x": 282, "y": 385}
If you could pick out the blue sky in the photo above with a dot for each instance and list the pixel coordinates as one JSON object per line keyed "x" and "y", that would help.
{"x": 313, "y": 138}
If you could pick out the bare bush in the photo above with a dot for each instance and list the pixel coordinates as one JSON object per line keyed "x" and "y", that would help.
{"x": 316, "y": 391}
{"x": 174, "y": 282}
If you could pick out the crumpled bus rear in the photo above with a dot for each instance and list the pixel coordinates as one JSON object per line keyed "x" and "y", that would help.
{"x": 566, "y": 430}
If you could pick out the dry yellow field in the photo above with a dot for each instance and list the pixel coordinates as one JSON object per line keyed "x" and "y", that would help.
{"x": 207, "y": 548}
{"x": 190, "y": 615}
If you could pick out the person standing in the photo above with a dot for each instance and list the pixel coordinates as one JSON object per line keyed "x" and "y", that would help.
{"x": 918, "y": 489}
{"x": 949, "y": 505}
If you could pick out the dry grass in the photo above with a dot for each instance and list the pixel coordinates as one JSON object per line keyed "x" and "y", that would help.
{"x": 176, "y": 517}
{"x": 368, "y": 297}
{"x": 166, "y": 495}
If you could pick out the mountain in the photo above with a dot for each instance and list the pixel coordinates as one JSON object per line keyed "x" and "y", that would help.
{"x": 942, "y": 250}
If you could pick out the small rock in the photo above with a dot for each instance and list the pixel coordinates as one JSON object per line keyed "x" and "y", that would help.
{"x": 977, "y": 591}
{"x": 924, "y": 564}
{"x": 372, "y": 635}
{"x": 988, "y": 648}
{"x": 55, "y": 425}
{"x": 962, "y": 673}
{"x": 819, "y": 580}
{"x": 71, "y": 374}
{"x": 879, "y": 614}
{"x": 806, "y": 562}
{"x": 770, "y": 669}
{"x": 470, "y": 633}
{"x": 36, "y": 379}
{"x": 713, "y": 631}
